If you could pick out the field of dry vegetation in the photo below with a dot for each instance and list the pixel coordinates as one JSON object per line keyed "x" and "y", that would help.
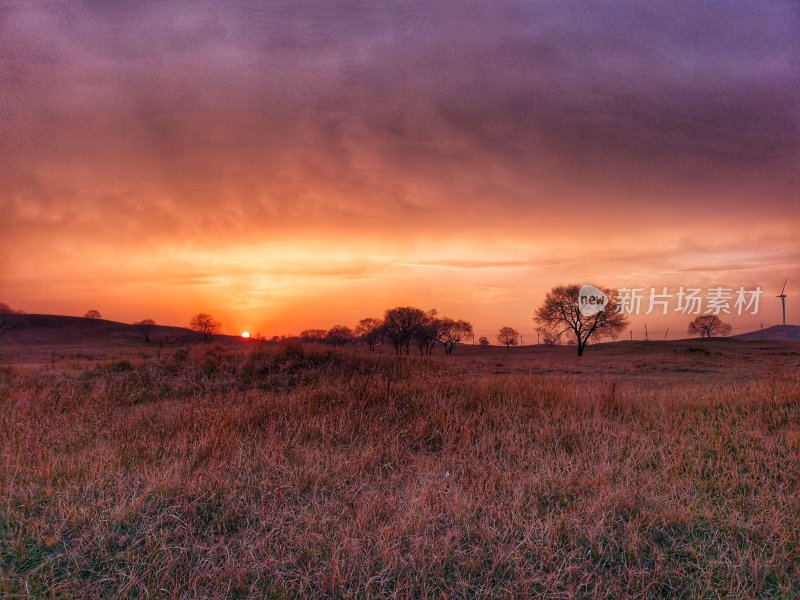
{"x": 284, "y": 473}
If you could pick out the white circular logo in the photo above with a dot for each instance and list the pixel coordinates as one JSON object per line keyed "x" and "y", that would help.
{"x": 591, "y": 300}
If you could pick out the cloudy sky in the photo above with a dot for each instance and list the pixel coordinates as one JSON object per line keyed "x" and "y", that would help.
{"x": 286, "y": 165}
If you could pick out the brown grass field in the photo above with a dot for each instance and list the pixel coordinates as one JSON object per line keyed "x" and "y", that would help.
{"x": 662, "y": 470}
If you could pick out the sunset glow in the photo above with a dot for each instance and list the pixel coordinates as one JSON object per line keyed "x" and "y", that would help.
{"x": 283, "y": 168}
{"x": 399, "y": 299}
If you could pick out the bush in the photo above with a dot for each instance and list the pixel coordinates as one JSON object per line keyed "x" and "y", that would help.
{"x": 120, "y": 366}
{"x": 215, "y": 361}
{"x": 291, "y": 349}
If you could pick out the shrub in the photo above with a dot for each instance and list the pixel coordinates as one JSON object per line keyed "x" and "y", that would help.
{"x": 120, "y": 366}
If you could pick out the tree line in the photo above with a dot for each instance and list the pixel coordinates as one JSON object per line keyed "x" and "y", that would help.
{"x": 403, "y": 327}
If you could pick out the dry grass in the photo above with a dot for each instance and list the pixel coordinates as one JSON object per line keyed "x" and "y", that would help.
{"x": 284, "y": 474}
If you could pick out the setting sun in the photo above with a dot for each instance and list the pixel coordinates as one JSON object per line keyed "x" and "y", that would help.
{"x": 245, "y": 334}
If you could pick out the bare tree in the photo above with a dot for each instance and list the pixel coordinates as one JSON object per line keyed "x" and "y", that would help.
{"x": 369, "y": 330}
{"x": 93, "y": 314}
{"x": 313, "y": 335}
{"x": 483, "y": 341}
{"x": 508, "y": 336}
{"x": 561, "y": 312}
{"x": 451, "y": 332}
{"x": 549, "y": 335}
{"x": 399, "y": 325}
{"x": 5, "y": 309}
{"x": 709, "y": 326}
{"x": 145, "y": 326}
{"x": 339, "y": 335}
{"x": 426, "y": 334}
{"x": 205, "y": 324}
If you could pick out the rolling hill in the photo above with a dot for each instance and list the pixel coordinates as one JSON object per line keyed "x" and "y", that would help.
{"x": 58, "y": 329}
{"x": 776, "y": 333}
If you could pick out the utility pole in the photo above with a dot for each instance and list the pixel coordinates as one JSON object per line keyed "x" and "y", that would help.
{"x": 645, "y": 332}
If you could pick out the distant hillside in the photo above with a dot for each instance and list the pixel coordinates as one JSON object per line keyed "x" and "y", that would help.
{"x": 781, "y": 333}
{"x": 61, "y": 330}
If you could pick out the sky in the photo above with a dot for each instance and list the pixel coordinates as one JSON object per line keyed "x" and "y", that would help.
{"x": 288, "y": 165}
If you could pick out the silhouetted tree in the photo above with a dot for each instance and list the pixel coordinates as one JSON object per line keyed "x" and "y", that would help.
{"x": 399, "y": 325}
{"x": 709, "y": 326}
{"x": 369, "y": 330}
{"x": 451, "y": 332}
{"x": 426, "y": 334}
{"x": 205, "y": 324}
{"x": 549, "y": 335}
{"x": 313, "y": 335}
{"x": 145, "y": 326}
{"x": 508, "y": 336}
{"x": 93, "y": 314}
{"x": 560, "y": 312}
{"x": 6, "y": 309}
{"x": 483, "y": 341}
{"x": 339, "y": 335}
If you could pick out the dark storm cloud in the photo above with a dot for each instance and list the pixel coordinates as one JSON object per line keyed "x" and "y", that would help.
{"x": 344, "y": 114}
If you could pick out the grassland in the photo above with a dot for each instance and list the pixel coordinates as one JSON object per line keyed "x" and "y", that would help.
{"x": 222, "y": 471}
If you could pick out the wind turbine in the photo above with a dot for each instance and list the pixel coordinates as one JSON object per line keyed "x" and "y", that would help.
{"x": 782, "y": 296}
